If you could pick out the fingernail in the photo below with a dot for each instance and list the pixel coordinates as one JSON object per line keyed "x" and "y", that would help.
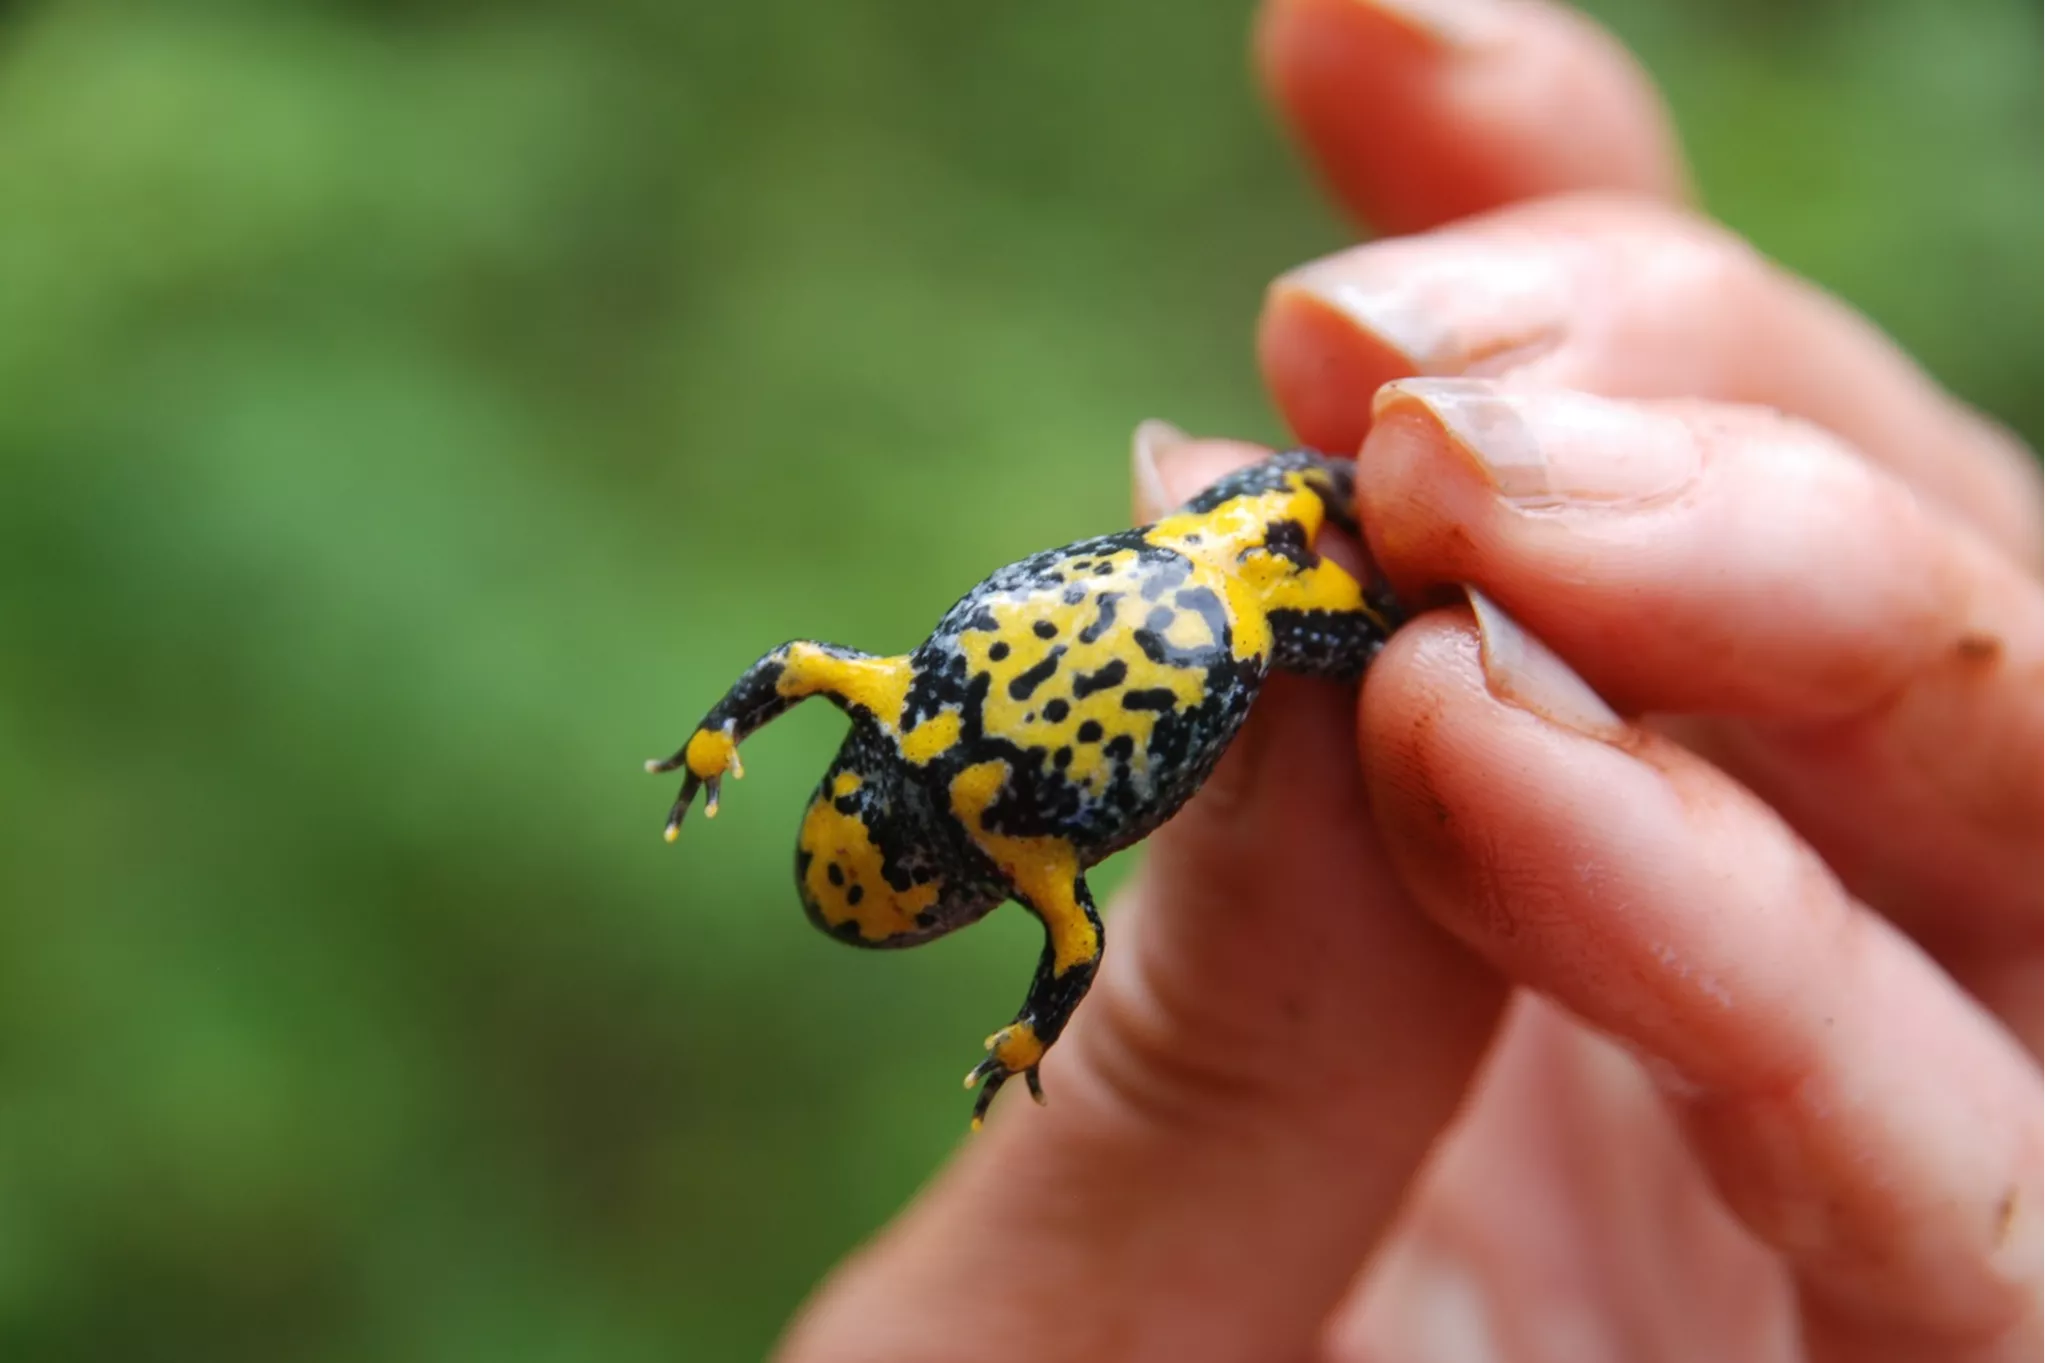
{"x": 1150, "y": 443}
{"x": 1525, "y": 674}
{"x": 1450, "y": 23}
{"x": 1447, "y": 302}
{"x": 1553, "y": 449}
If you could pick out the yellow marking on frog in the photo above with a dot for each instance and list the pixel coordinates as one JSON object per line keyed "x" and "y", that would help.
{"x": 877, "y": 685}
{"x": 932, "y": 737}
{"x": 1223, "y": 544}
{"x": 1043, "y": 870}
{"x": 709, "y": 753}
{"x": 1325, "y": 587}
{"x": 1017, "y": 1046}
{"x": 861, "y": 896}
{"x": 1223, "y": 534}
{"x": 1188, "y": 629}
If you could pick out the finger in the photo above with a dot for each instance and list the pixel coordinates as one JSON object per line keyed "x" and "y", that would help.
{"x": 1710, "y": 559}
{"x": 1629, "y": 299}
{"x": 1420, "y": 111}
{"x": 1271, "y": 1046}
{"x": 1857, "y": 1112}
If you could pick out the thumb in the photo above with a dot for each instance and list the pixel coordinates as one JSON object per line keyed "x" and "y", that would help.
{"x": 1274, "y": 1041}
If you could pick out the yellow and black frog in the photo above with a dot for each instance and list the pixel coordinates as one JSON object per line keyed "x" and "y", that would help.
{"x": 1061, "y": 711}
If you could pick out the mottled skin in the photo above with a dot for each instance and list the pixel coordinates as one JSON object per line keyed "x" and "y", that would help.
{"x": 1061, "y": 711}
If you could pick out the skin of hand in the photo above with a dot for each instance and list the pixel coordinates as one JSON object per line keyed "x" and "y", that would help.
{"x": 1669, "y": 988}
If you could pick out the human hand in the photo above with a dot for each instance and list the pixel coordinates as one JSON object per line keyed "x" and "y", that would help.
{"x": 1525, "y": 1030}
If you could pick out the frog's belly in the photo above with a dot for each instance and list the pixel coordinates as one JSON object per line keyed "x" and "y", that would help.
{"x": 1110, "y": 694}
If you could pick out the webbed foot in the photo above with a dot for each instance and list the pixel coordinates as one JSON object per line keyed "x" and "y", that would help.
{"x": 706, "y": 758}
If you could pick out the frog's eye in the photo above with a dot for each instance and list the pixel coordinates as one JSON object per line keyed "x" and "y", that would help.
{"x": 851, "y": 886}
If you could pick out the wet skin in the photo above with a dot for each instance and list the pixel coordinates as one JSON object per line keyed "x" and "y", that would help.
{"x": 1060, "y": 711}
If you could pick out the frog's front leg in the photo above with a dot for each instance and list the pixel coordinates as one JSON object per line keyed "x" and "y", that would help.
{"x": 1334, "y": 635}
{"x": 1324, "y": 621}
{"x": 864, "y": 686}
{"x": 1066, "y": 967}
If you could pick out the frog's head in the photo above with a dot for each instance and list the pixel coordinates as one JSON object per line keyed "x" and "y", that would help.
{"x": 870, "y": 864}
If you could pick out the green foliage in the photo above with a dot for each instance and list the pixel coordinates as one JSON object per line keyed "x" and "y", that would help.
{"x": 411, "y": 416}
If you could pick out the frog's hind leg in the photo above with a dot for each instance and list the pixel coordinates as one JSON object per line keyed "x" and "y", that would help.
{"x": 1066, "y": 967}
{"x": 866, "y": 687}
{"x": 1324, "y": 622}
{"x": 1335, "y": 643}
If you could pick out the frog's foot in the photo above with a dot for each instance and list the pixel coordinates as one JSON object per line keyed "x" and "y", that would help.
{"x": 706, "y": 758}
{"x": 1014, "y": 1050}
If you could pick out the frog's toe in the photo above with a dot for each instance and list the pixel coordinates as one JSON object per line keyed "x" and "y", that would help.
{"x": 992, "y": 1075}
{"x": 688, "y": 794}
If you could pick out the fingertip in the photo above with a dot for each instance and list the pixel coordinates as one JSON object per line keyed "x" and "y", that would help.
{"x": 1425, "y": 503}
{"x": 1427, "y": 675}
{"x": 1486, "y": 298}
{"x": 1488, "y": 760}
{"x": 1339, "y": 67}
{"x": 1418, "y": 112}
{"x": 1322, "y": 365}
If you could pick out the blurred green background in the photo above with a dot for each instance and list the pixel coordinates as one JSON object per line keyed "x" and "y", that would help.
{"x": 413, "y": 414}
